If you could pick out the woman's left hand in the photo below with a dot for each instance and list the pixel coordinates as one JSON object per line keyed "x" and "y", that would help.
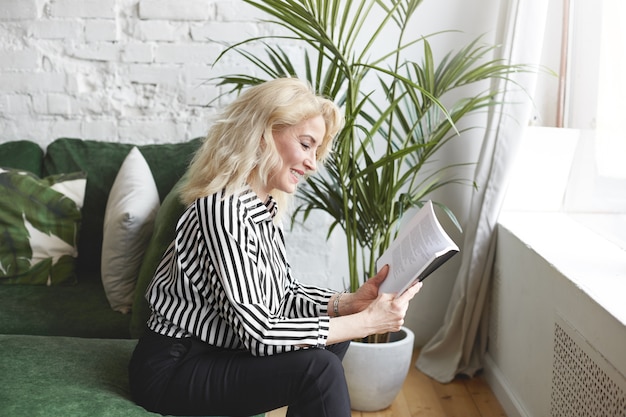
{"x": 365, "y": 295}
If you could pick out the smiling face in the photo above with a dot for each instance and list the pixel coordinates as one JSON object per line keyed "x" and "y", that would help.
{"x": 297, "y": 147}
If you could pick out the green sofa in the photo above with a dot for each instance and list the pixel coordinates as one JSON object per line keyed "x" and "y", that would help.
{"x": 63, "y": 350}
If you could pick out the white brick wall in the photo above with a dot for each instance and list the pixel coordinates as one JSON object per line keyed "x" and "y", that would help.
{"x": 18, "y": 9}
{"x": 189, "y": 10}
{"x": 115, "y": 70}
{"x": 81, "y": 9}
{"x": 130, "y": 71}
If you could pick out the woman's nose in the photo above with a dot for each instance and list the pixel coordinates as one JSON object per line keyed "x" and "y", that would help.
{"x": 310, "y": 163}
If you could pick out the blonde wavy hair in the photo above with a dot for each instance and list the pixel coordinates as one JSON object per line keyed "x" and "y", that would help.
{"x": 232, "y": 155}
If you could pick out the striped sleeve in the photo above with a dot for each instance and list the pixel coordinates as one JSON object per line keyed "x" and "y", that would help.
{"x": 307, "y": 300}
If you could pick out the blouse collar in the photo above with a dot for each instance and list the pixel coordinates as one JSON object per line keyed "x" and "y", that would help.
{"x": 260, "y": 211}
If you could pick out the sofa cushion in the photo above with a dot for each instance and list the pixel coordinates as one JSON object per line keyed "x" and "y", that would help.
{"x": 80, "y": 310}
{"x": 128, "y": 221}
{"x": 62, "y": 376}
{"x": 39, "y": 224}
{"x": 65, "y": 376}
{"x": 22, "y": 154}
{"x": 162, "y": 235}
{"x": 168, "y": 163}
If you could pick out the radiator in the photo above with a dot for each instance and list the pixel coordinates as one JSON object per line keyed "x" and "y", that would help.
{"x": 584, "y": 384}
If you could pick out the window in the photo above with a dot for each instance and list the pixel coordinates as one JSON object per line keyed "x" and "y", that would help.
{"x": 611, "y": 135}
{"x": 594, "y": 100}
{"x": 592, "y": 96}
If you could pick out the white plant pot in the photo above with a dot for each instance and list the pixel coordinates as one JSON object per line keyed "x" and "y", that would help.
{"x": 375, "y": 372}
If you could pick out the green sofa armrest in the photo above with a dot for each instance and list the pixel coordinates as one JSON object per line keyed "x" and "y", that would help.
{"x": 22, "y": 154}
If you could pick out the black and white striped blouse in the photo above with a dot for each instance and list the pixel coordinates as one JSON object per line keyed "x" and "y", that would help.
{"x": 225, "y": 279}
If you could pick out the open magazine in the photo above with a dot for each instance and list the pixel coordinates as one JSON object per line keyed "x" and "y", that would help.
{"x": 421, "y": 247}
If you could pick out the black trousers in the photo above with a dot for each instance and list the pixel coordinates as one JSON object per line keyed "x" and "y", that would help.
{"x": 189, "y": 377}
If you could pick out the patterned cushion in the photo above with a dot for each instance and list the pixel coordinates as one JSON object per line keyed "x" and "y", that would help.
{"x": 39, "y": 226}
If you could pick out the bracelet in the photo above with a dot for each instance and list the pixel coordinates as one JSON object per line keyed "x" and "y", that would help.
{"x": 336, "y": 304}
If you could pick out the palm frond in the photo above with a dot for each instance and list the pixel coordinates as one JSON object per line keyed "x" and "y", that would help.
{"x": 383, "y": 160}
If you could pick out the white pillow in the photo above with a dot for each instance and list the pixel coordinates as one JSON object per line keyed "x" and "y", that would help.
{"x": 128, "y": 221}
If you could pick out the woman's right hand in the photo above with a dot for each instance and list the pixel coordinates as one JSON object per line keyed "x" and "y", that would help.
{"x": 387, "y": 313}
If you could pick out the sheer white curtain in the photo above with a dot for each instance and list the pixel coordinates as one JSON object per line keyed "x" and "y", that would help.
{"x": 459, "y": 345}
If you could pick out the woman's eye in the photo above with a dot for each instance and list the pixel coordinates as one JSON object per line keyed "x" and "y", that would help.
{"x": 305, "y": 146}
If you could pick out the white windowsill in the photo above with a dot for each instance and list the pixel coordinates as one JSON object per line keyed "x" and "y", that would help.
{"x": 611, "y": 226}
{"x": 592, "y": 262}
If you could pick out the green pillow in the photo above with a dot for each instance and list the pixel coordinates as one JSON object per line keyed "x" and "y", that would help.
{"x": 22, "y": 154}
{"x": 169, "y": 162}
{"x": 39, "y": 224}
{"x": 101, "y": 161}
{"x": 162, "y": 235}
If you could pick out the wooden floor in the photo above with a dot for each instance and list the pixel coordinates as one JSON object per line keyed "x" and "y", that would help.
{"x": 424, "y": 397}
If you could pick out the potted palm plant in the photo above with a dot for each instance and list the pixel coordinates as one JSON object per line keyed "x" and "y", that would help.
{"x": 396, "y": 122}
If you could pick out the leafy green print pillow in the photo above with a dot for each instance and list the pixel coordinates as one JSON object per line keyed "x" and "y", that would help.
{"x": 39, "y": 224}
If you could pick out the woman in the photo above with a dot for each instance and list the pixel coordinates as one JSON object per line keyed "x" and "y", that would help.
{"x": 231, "y": 331}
